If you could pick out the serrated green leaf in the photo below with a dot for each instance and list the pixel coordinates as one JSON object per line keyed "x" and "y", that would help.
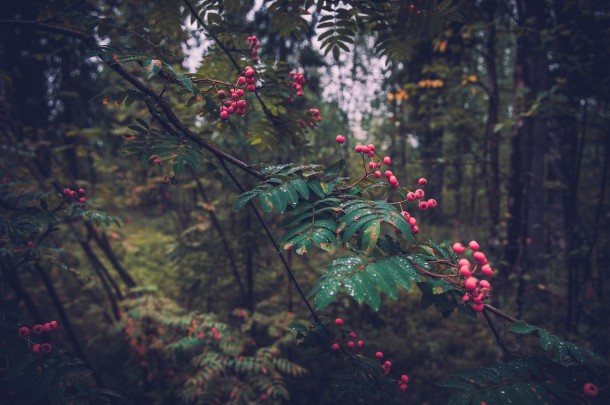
{"x": 326, "y": 291}
{"x": 370, "y": 234}
{"x": 522, "y": 328}
{"x": 151, "y": 67}
{"x": 301, "y": 187}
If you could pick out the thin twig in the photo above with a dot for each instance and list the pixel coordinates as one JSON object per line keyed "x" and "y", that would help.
{"x": 497, "y": 335}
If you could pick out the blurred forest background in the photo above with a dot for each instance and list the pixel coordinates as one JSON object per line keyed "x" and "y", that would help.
{"x": 502, "y": 105}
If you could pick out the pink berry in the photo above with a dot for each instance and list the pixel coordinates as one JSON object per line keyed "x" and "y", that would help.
{"x": 72, "y": 193}
{"x": 36, "y": 348}
{"x": 251, "y": 88}
{"x": 378, "y": 174}
{"x": 419, "y": 193}
{"x": 358, "y": 148}
{"x": 478, "y": 307}
{"x": 486, "y": 269}
{"x": 410, "y": 196}
{"x": 412, "y": 221}
{"x": 248, "y": 71}
{"x": 224, "y": 115}
{"x": 471, "y": 283}
{"x": 393, "y": 180}
{"x": 353, "y": 335}
{"x": 24, "y": 331}
{"x": 422, "y": 181}
{"x": 484, "y": 284}
{"x": 335, "y": 346}
{"x": 388, "y": 363}
{"x": 478, "y": 256}
{"x": 388, "y": 173}
{"x": 465, "y": 272}
{"x": 350, "y": 344}
{"x": 590, "y": 389}
{"x": 47, "y": 327}
{"x": 478, "y": 299}
{"x": 66, "y": 192}
{"x": 405, "y": 214}
{"x": 459, "y": 249}
{"x": 465, "y": 298}
{"x": 432, "y": 203}
{"x": 423, "y": 205}
{"x": 82, "y": 200}
{"x": 46, "y": 348}
{"x": 474, "y": 245}
{"x": 371, "y": 146}
{"x": 464, "y": 262}
{"x": 387, "y": 160}
{"x": 338, "y": 321}
{"x": 404, "y": 378}
{"x": 38, "y": 329}
{"x": 81, "y": 191}
{"x": 360, "y": 343}
{"x": 372, "y": 165}
{"x": 340, "y": 139}
{"x": 379, "y": 355}
{"x": 414, "y": 229}
{"x": 403, "y": 387}
{"x": 365, "y": 150}
{"x": 241, "y": 81}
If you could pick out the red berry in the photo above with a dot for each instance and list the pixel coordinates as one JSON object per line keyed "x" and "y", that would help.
{"x": 224, "y": 115}
{"x": 471, "y": 283}
{"x": 358, "y": 148}
{"x": 465, "y": 271}
{"x": 474, "y": 245}
{"x": 412, "y": 221}
{"x": 590, "y": 389}
{"x": 340, "y": 139}
{"x": 410, "y": 196}
{"x": 350, "y": 344}
{"x": 335, "y": 346}
{"x": 378, "y": 174}
{"x": 38, "y": 329}
{"x": 404, "y": 378}
{"x": 465, "y": 298}
{"x": 478, "y": 299}
{"x": 387, "y": 160}
{"x": 24, "y": 331}
{"x": 72, "y": 193}
{"x": 405, "y": 214}
{"x": 372, "y": 165}
{"x": 423, "y": 205}
{"x": 251, "y": 88}
{"x": 48, "y": 327}
{"x": 403, "y": 387}
{"x": 66, "y": 192}
{"x": 241, "y": 81}
{"x": 414, "y": 229}
{"x": 338, "y": 321}
{"x": 46, "y": 347}
{"x": 419, "y": 193}
{"x": 478, "y": 307}
{"x": 459, "y": 249}
{"x": 82, "y": 200}
{"x": 248, "y": 71}
{"x": 81, "y": 191}
{"x": 478, "y": 256}
{"x": 464, "y": 262}
{"x": 486, "y": 269}
{"x": 432, "y": 203}
{"x": 353, "y": 335}
{"x": 388, "y": 363}
{"x": 239, "y": 92}
{"x": 365, "y": 150}
{"x": 36, "y": 348}
{"x": 422, "y": 181}
{"x": 393, "y": 180}
{"x": 484, "y": 284}
{"x": 371, "y": 146}
{"x": 388, "y": 173}
{"x": 360, "y": 343}
{"x": 379, "y": 355}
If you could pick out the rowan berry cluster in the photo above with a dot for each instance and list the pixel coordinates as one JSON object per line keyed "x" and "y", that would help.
{"x": 232, "y": 101}
{"x": 298, "y": 80}
{"x": 314, "y": 117}
{"x": 254, "y": 45}
{"x": 38, "y": 329}
{"x": 351, "y": 344}
{"x": 477, "y": 290}
{"x": 72, "y": 195}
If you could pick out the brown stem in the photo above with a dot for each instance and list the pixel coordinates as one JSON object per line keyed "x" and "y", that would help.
{"x": 497, "y": 335}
